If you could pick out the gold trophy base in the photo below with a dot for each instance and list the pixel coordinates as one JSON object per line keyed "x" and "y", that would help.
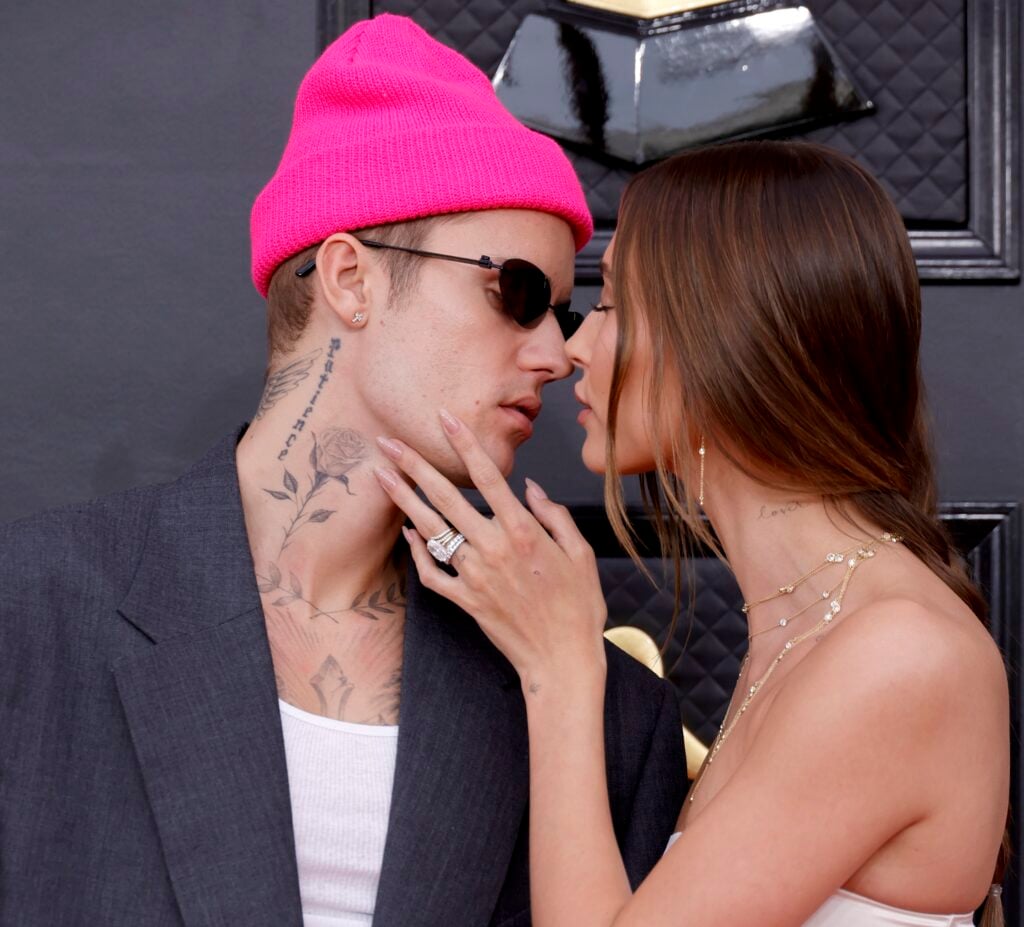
{"x": 646, "y": 9}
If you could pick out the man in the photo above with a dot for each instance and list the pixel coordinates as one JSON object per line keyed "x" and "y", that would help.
{"x": 153, "y": 772}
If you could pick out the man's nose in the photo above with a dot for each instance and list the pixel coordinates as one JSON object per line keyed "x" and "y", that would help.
{"x": 544, "y": 351}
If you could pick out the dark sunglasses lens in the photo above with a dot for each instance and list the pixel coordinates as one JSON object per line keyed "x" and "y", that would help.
{"x": 568, "y": 320}
{"x": 524, "y": 291}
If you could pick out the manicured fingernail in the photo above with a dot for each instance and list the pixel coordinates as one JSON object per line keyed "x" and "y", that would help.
{"x": 387, "y": 478}
{"x": 407, "y": 534}
{"x": 537, "y": 491}
{"x": 391, "y": 448}
{"x": 450, "y": 422}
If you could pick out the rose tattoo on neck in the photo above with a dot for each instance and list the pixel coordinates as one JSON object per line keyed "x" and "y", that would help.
{"x": 335, "y": 453}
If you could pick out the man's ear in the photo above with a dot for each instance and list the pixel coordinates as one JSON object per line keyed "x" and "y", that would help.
{"x": 344, "y": 274}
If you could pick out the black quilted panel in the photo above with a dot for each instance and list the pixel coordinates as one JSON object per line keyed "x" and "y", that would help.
{"x": 703, "y": 655}
{"x": 480, "y": 29}
{"x": 906, "y": 55}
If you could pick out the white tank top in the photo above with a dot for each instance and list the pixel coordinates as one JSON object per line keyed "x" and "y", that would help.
{"x": 339, "y": 777}
{"x": 846, "y": 909}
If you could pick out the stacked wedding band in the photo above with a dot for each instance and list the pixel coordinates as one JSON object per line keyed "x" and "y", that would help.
{"x": 442, "y": 546}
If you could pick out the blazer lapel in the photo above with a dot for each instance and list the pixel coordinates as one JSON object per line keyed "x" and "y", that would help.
{"x": 202, "y": 708}
{"x": 461, "y": 778}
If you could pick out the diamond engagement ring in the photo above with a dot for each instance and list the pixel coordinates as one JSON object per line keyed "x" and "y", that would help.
{"x": 442, "y": 546}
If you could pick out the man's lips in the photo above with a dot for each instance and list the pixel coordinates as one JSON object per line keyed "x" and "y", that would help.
{"x": 523, "y": 412}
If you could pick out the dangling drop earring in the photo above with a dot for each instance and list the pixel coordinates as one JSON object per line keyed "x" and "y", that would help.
{"x": 703, "y": 454}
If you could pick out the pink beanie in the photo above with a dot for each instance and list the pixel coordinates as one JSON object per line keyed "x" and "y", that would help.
{"x": 391, "y": 125}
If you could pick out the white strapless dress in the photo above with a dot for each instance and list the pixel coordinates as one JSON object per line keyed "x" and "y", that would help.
{"x": 847, "y": 909}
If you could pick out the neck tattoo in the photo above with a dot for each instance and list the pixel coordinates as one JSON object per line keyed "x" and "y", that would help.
{"x": 300, "y": 422}
{"x": 281, "y": 382}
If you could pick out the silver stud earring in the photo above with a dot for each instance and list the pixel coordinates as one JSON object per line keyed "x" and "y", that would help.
{"x": 358, "y": 317}
{"x": 703, "y": 453}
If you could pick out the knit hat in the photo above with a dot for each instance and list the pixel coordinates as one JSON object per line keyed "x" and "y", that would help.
{"x": 391, "y": 125}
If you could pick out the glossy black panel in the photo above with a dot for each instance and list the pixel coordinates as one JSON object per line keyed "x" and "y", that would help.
{"x": 636, "y": 94}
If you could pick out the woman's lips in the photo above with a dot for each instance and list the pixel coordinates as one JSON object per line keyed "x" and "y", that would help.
{"x": 586, "y": 408}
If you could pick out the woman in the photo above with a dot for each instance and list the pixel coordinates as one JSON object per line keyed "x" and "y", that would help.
{"x": 755, "y": 353}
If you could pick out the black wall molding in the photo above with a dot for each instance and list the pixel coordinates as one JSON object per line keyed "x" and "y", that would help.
{"x": 988, "y": 247}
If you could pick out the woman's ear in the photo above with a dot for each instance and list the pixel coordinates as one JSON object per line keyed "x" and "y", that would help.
{"x": 344, "y": 274}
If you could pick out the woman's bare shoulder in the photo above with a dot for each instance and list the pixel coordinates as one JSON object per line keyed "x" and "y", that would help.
{"x": 907, "y": 661}
{"x": 901, "y": 635}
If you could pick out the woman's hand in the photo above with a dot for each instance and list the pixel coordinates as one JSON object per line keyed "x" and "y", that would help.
{"x": 530, "y": 580}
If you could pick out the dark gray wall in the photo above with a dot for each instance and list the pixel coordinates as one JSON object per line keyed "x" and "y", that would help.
{"x": 133, "y": 138}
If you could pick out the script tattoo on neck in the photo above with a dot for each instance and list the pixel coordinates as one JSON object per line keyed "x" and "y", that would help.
{"x": 766, "y": 512}
{"x": 281, "y": 382}
{"x": 335, "y": 453}
{"x": 300, "y": 422}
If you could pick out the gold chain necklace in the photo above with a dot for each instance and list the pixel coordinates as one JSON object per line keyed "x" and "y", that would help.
{"x": 859, "y": 556}
{"x": 830, "y": 560}
{"x": 867, "y": 549}
{"x": 784, "y": 621}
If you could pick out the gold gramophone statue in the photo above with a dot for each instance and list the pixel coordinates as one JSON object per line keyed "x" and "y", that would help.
{"x": 636, "y": 80}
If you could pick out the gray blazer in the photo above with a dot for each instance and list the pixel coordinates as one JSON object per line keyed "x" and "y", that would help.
{"x": 142, "y": 766}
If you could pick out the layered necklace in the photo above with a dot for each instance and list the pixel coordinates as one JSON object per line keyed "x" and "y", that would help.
{"x": 853, "y": 558}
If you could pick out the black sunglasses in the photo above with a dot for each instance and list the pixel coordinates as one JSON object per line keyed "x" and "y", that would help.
{"x": 525, "y": 291}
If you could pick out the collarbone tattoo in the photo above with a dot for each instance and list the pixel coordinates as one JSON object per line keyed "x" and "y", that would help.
{"x": 370, "y": 605}
{"x": 334, "y": 692}
{"x": 333, "y": 689}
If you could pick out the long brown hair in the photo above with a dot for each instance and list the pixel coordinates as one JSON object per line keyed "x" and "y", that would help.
{"x": 781, "y": 298}
{"x": 782, "y": 302}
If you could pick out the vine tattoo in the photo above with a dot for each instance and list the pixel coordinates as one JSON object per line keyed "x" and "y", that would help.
{"x": 334, "y": 454}
{"x": 281, "y": 382}
{"x": 368, "y": 605}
